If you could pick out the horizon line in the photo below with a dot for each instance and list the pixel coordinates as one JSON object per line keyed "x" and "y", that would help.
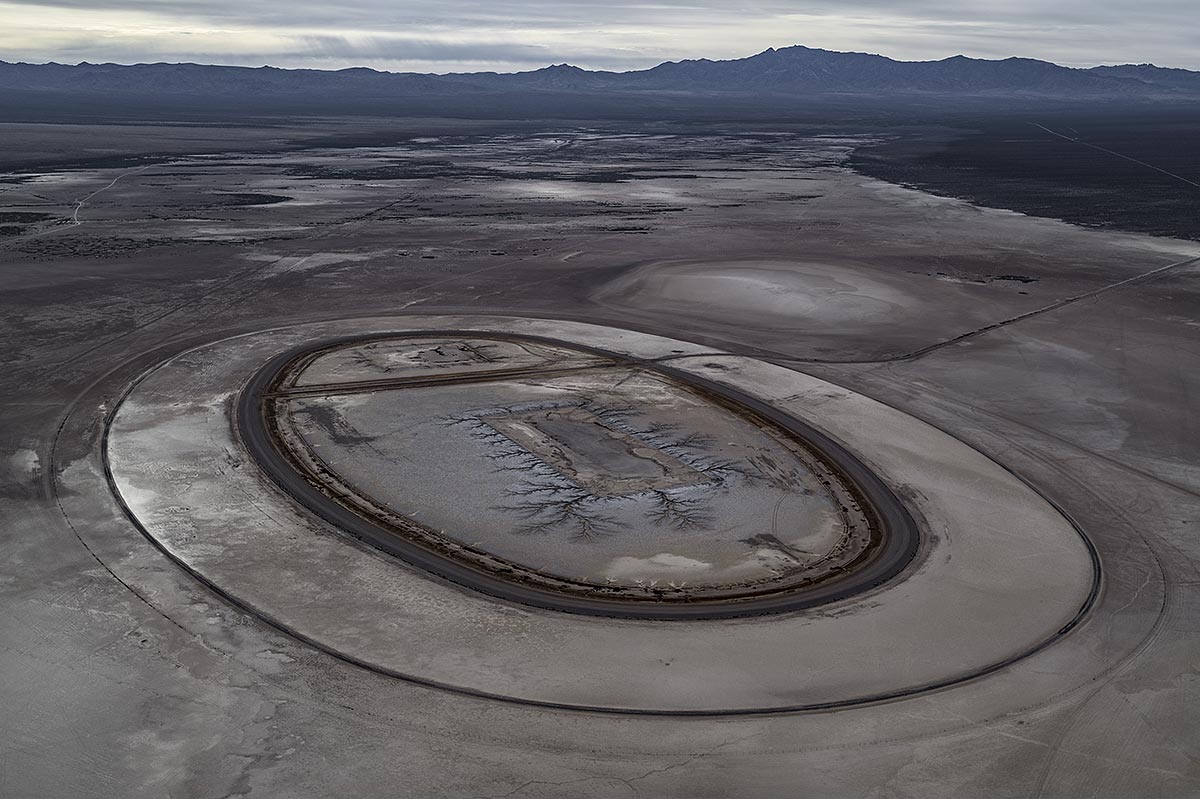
{"x": 568, "y": 65}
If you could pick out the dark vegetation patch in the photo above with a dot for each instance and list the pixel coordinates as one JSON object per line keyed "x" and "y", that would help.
{"x": 23, "y": 217}
{"x": 103, "y": 247}
{"x": 246, "y": 199}
{"x": 1012, "y": 163}
{"x": 96, "y": 162}
{"x": 10, "y": 230}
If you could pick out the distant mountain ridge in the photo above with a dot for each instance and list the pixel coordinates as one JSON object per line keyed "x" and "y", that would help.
{"x": 795, "y": 71}
{"x": 800, "y": 69}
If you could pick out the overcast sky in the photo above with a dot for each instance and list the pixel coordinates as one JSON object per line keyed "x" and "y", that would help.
{"x": 506, "y": 35}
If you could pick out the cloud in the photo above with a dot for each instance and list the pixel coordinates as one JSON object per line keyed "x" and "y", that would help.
{"x": 451, "y": 35}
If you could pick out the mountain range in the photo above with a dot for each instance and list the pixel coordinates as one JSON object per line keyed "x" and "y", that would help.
{"x": 772, "y": 76}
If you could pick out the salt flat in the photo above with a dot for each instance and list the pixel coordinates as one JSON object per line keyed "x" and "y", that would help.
{"x": 1059, "y": 358}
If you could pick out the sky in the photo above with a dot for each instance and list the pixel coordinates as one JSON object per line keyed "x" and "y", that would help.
{"x": 512, "y": 35}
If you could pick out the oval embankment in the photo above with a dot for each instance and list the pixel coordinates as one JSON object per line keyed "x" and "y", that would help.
{"x": 698, "y": 536}
{"x": 1000, "y": 574}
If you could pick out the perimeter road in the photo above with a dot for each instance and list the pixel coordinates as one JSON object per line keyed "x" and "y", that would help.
{"x": 898, "y": 531}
